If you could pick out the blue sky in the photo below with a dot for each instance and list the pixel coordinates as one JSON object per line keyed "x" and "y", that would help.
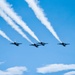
{"x": 61, "y": 15}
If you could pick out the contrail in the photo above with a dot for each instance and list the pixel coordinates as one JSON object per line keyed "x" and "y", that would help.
{"x": 5, "y": 36}
{"x": 13, "y": 25}
{"x": 33, "y": 4}
{"x": 7, "y": 8}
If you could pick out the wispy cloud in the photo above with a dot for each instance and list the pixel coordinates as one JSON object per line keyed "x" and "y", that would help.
{"x": 33, "y": 4}
{"x": 5, "y": 36}
{"x": 7, "y": 9}
{"x": 18, "y": 70}
{"x": 55, "y": 68}
{"x": 13, "y": 25}
{"x": 2, "y": 63}
{"x": 70, "y": 73}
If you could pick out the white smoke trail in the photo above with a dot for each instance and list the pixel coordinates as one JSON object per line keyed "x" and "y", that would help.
{"x": 33, "y": 4}
{"x": 7, "y": 8}
{"x": 5, "y": 36}
{"x": 13, "y": 25}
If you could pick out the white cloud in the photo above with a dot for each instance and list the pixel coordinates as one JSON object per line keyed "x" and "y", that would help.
{"x": 55, "y": 68}
{"x": 14, "y": 71}
{"x": 70, "y": 73}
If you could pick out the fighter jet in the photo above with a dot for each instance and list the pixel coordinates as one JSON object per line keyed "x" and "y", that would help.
{"x": 42, "y": 43}
{"x": 15, "y": 43}
{"x": 64, "y": 44}
{"x": 36, "y": 45}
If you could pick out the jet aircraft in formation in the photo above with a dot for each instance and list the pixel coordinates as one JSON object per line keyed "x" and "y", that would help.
{"x": 36, "y": 45}
{"x": 63, "y": 44}
{"x": 15, "y": 43}
{"x": 39, "y": 44}
{"x": 42, "y": 43}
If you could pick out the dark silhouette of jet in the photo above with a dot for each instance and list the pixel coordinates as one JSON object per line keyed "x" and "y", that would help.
{"x": 63, "y": 44}
{"x": 36, "y": 45}
{"x": 42, "y": 43}
{"x": 15, "y": 43}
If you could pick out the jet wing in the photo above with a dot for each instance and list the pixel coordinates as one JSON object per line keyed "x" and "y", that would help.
{"x": 11, "y": 43}
{"x": 31, "y": 44}
{"x": 59, "y": 43}
{"x": 67, "y": 44}
{"x": 45, "y": 43}
{"x": 19, "y": 43}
